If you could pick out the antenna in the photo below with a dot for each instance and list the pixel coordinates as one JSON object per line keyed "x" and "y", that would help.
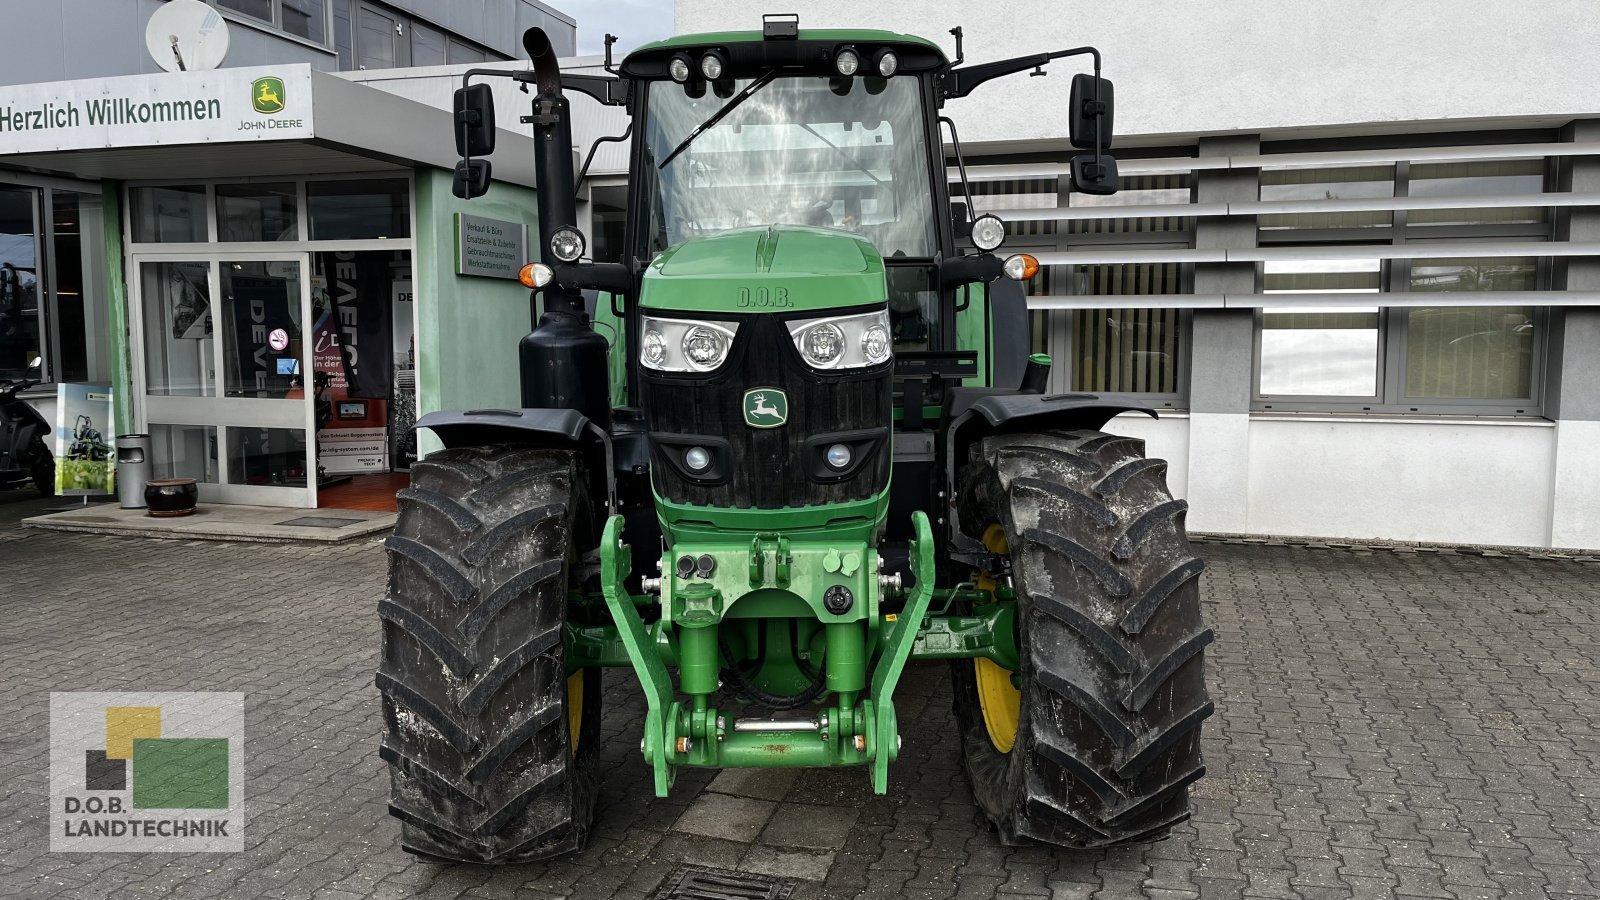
{"x": 187, "y": 36}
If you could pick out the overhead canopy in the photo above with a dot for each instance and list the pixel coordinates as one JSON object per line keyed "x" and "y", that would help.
{"x": 251, "y": 121}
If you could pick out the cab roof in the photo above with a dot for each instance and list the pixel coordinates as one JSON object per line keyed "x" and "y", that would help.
{"x": 812, "y": 48}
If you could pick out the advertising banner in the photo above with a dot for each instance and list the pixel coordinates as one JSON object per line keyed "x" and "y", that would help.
{"x": 86, "y": 461}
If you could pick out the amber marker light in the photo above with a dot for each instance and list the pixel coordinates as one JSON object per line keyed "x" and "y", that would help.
{"x": 1021, "y": 266}
{"x": 535, "y": 275}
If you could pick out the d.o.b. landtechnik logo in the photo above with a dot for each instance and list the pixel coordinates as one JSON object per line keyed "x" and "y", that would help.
{"x": 146, "y": 772}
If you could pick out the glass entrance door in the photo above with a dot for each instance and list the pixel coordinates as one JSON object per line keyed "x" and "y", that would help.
{"x": 226, "y": 390}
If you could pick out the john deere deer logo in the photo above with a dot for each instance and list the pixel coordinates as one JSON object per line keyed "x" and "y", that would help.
{"x": 765, "y": 408}
{"x": 266, "y": 95}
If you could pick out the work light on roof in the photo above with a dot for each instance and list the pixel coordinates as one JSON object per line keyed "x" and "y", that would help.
{"x": 711, "y": 66}
{"x": 680, "y": 68}
{"x": 886, "y": 62}
{"x": 847, "y": 62}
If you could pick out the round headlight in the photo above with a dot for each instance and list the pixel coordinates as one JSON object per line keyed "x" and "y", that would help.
{"x": 838, "y": 456}
{"x": 704, "y": 347}
{"x": 847, "y": 62}
{"x": 679, "y": 68}
{"x": 822, "y": 345}
{"x": 887, "y": 63}
{"x": 567, "y": 244}
{"x": 875, "y": 344}
{"x": 698, "y": 459}
{"x": 711, "y": 66}
{"x": 988, "y": 233}
{"x": 653, "y": 349}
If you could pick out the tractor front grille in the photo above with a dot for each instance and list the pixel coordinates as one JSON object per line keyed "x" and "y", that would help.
{"x": 767, "y": 468}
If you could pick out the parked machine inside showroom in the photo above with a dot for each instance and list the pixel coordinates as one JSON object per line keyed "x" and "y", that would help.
{"x": 807, "y": 446}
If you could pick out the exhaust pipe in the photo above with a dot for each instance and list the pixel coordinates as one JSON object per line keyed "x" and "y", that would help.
{"x": 563, "y": 361}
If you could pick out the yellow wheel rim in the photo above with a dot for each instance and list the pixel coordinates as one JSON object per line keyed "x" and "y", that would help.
{"x": 998, "y": 698}
{"x": 575, "y": 709}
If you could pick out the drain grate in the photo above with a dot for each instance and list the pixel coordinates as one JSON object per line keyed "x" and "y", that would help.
{"x": 700, "y": 883}
{"x": 321, "y": 522}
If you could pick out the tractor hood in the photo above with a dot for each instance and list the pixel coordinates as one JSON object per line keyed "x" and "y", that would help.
{"x": 776, "y": 268}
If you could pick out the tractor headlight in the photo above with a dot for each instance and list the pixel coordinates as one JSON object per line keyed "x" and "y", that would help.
{"x": 698, "y": 459}
{"x": 887, "y": 62}
{"x": 988, "y": 233}
{"x": 567, "y": 244}
{"x": 680, "y": 68}
{"x": 685, "y": 345}
{"x": 847, "y": 62}
{"x": 839, "y": 456}
{"x": 843, "y": 342}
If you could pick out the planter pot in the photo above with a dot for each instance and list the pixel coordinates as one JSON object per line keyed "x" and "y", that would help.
{"x": 169, "y": 497}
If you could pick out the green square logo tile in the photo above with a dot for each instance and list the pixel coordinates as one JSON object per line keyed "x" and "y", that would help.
{"x": 180, "y": 773}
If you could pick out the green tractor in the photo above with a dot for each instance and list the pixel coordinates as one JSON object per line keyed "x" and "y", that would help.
{"x": 810, "y": 448}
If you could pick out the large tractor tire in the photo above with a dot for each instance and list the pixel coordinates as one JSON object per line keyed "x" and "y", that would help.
{"x": 491, "y": 745}
{"x": 1096, "y": 740}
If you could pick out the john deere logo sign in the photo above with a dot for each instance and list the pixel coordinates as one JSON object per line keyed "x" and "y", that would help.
{"x": 266, "y": 95}
{"x": 765, "y": 408}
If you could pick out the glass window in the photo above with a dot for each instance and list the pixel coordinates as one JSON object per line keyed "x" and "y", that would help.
{"x": 178, "y": 348}
{"x": 610, "y": 210}
{"x": 1330, "y": 352}
{"x": 79, "y": 309}
{"x": 168, "y": 214}
{"x": 184, "y": 451}
{"x": 375, "y": 40}
{"x": 261, "y": 328}
{"x": 1504, "y": 177}
{"x": 343, "y": 36}
{"x": 466, "y": 53}
{"x": 1470, "y": 352}
{"x": 1126, "y": 350}
{"x": 427, "y": 45}
{"x": 20, "y": 312}
{"x": 799, "y": 152}
{"x": 256, "y": 212}
{"x": 307, "y": 19}
{"x": 1345, "y": 183}
{"x": 356, "y": 210}
{"x": 256, "y": 9}
{"x": 267, "y": 456}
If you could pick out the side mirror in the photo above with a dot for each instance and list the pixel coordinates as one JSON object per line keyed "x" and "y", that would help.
{"x": 959, "y": 218}
{"x": 471, "y": 179}
{"x": 474, "y": 120}
{"x": 1095, "y": 175}
{"x": 1088, "y": 119}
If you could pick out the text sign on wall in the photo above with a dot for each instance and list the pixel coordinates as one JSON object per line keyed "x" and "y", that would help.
{"x": 222, "y": 105}
{"x": 493, "y": 248}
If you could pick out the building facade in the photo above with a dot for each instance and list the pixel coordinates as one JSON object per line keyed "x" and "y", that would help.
{"x": 264, "y": 262}
{"x": 1353, "y": 261}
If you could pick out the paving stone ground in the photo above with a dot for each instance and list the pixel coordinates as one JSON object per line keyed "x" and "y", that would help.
{"x": 1388, "y": 724}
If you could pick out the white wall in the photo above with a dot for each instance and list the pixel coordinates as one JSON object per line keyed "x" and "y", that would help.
{"x": 1183, "y": 67}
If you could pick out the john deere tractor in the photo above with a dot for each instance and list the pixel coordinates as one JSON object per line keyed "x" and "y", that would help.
{"x": 806, "y": 447}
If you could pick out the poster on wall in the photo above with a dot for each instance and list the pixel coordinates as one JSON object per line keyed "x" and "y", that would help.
{"x": 86, "y": 463}
{"x": 353, "y": 356}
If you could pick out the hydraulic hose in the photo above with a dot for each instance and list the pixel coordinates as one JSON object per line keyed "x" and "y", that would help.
{"x": 748, "y": 689}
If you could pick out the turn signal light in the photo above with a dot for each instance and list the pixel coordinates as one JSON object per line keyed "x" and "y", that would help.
{"x": 535, "y": 275}
{"x": 1021, "y": 266}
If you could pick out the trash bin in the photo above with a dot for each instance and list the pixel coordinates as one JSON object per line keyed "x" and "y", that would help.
{"x": 133, "y": 469}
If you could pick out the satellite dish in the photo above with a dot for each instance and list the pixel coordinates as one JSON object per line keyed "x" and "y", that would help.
{"x": 187, "y": 35}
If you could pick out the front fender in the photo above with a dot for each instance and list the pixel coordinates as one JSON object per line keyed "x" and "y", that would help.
{"x": 557, "y": 428}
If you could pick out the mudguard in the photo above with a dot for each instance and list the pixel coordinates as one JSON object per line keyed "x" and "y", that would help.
{"x": 535, "y": 427}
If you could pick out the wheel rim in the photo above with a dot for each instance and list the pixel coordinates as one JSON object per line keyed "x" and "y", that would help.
{"x": 999, "y": 699}
{"x": 575, "y": 710}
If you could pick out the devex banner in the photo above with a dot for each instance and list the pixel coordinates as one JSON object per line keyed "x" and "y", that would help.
{"x": 220, "y": 106}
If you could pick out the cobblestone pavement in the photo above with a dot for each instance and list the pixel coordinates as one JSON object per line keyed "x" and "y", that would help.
{"x": 1389, "y": 724}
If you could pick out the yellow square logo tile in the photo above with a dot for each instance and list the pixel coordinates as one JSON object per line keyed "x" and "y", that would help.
{"x": 126, "y": 723}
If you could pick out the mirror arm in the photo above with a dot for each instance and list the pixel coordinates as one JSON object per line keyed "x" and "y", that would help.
{"x": 970, "y": 77}
{"x": 961, "y": 164}
{"x": 608, "y": 91}
{"x": 956, "y": 271}
{"x": 594, "y": 148}
{"x": 613, "y": 278}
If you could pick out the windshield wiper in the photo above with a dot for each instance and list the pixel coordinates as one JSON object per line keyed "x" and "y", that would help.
{"x": 721, "y": 114}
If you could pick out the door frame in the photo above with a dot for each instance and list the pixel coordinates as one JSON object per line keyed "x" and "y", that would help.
{"x": 219, "y": 411}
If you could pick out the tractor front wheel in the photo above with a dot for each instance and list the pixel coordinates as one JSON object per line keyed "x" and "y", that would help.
{"x": 491, "y": 743}
{"x": 1095, "y": 741}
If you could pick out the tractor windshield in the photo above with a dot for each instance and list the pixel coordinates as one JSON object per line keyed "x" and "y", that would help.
{"x": 848, "y": 153}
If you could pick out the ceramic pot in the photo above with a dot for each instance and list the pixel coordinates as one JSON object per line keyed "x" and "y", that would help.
{"x": 168, "y": 497}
